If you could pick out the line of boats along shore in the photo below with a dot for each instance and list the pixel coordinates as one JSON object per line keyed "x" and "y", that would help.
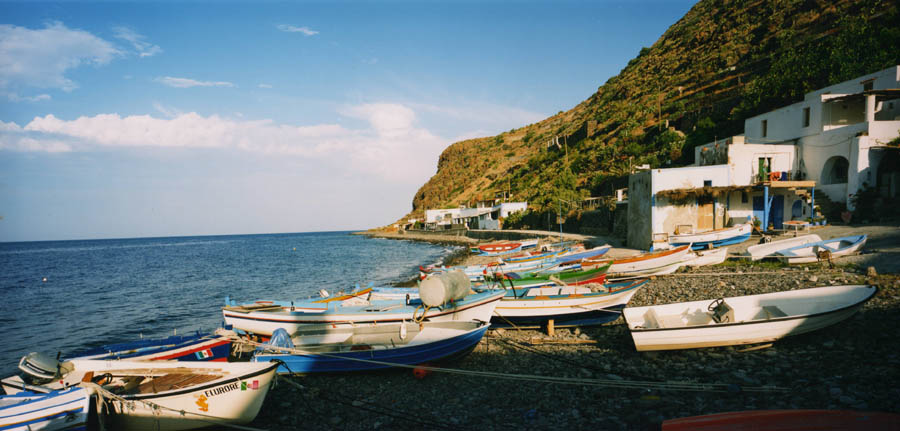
{"x": 197, "y": 380}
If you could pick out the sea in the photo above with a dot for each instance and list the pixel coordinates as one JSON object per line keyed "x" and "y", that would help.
{"x": 66, "y": 296}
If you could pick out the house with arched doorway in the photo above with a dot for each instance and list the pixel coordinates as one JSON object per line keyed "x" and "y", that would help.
{"x": 838, "y": 141}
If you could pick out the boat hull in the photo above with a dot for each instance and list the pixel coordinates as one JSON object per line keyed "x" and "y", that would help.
{"x": 580, "y": 308}
{"x": 473, "y": 307}
{"x": 59, "y": 410}
{"x": 761, "y": 251}
{"x": 175, "y": 348}
{"x": 838, "y": 247}
{"x": 716, "y": 238}
{"x": 786, "y": 420}
{"x": 759, "y": 318}
{"x": 363, "y": 357}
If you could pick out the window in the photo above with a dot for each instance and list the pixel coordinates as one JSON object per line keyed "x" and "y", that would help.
{"x": 806, "y": 117}
{"x": 744, "y": 197}
{"x": 765, "y": 128}
{"x": 868, "y": 85}
{"x": 707, "y": 183}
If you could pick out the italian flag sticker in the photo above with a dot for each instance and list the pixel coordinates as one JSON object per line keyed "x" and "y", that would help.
{"x": 254, "y": 385}
{"x": 203, "y": 354}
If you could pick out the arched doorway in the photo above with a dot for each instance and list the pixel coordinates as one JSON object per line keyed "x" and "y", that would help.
{"x": 835, "y": 171}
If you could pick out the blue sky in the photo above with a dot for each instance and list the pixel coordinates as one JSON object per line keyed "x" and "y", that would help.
{"x": 131, "y": 119}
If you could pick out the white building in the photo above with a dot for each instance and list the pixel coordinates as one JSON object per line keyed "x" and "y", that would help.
{"x": 833, "y": 142}
{"x": 482, "y": 217}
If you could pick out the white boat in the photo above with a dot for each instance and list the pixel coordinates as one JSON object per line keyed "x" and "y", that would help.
{"x": 743, "y": 319}
{"x": 57, "y": 410}
{"x": 835, "y": 247}
{"x": 160, "y": 395}
{"x": 591, "y": 304}
{"x": 760, "y": 251}
{"x": 705, "y": 257}
{"x": 713, "y": 238}
{"x": 652, "y": 263}
{"x": 264, "y": 317}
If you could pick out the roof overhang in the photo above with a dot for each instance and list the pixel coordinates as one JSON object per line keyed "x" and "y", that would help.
{"x": 880, "y": 95}
{"x": 683, "y": 195}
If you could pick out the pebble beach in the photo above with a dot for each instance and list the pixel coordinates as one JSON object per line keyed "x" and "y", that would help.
{"x": 593, "y": 378}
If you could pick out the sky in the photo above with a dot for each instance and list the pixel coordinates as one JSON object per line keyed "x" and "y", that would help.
{"x": 139, "y": 119}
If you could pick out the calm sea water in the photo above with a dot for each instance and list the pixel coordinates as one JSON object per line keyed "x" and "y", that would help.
{"x": 105, "y": 291}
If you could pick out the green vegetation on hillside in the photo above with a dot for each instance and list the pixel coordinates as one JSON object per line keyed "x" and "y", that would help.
{"x": 724, "y": 61}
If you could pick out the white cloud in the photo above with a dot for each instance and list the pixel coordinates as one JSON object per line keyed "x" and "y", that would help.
{"x": 143, "y": 48}
{"x": 265, "y": 85}
{"x": 294, "y": 29}
{"x": 41, "y": 58}
{"x": 188, "y": 82}
{"x": 391, "y": 147}
{"x": 13, "y": 97}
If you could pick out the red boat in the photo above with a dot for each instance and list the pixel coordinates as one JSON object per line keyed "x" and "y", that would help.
{"x": 787, "y": 420}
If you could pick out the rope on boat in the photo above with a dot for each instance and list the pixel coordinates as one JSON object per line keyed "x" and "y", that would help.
{"x": 105, "y": 397}
{"x": 627, "y": 384}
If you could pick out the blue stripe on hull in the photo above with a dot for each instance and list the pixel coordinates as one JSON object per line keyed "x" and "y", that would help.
{"x": 585, "y": 318}
{"x": 717, "y": 243}
{"x": 339, "y": 362}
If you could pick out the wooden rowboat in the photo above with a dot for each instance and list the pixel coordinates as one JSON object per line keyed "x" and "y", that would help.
{"x": 165, "y": 395}
{"x": 713, "y": 238}
{"x": 652, "y": 263}
{"x": 371, "y": 346}
{"x": 832, "y": 248}
{"x": 743, "y": 319}
{"x": 761, "y": 251}
{"x": 705, "y": 257}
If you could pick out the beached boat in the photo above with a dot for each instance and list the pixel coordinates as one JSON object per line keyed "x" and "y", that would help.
{"x": 761, "y": 251}
{"x": 57, "y": 410}
{"x": 371, "y": 346}
{"x": 713, "y": 238}
{"x": 596, "y": 274}
{"x": 744, "y": 319}
{"x": 566, "y": 305}
{"x": 705, "y": 257}
{"x": 534, "y": 257}
{"x": 652, "y": 263}
{"x": 502, "y": 248}
{"x": 477, "y": 272}
{"x": 192, "y": 347}
{"x": 576, "y": 257}
{"x": 161, "y": 395}
{"x": 263, "y": 317}
{"x": 813, "y": 251}
{"x": 787, "y": 420}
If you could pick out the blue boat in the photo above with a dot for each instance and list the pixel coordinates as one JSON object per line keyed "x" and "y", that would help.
{"x": 55, "y": 410}
{"x": 371, "y": 346}
{"x": 193, "y": 347}
{"x": 713, "y": 238}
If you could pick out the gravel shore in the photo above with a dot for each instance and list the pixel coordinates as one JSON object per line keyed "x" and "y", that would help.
{"x": 585, "y": 378}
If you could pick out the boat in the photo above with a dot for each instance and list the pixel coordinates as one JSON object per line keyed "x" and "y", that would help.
{"x": 705, "y": 257}
{"x": 744, "y": 319}
{"x": 596, "y": 274}
{"x": 761, "y": 251}
{"x": 263, "y": 317}
{"x": 159, "y": 395}
{"x": 651, "y": 263}
{"x": 787, "y": 420}
{"x": 593, "y": 304}
{"x": 192, "y": 347}
{"x": 66, "y": 409}
{"x": 713, "y": 238}
{"x": 553, "y": 254}
{"x": 501, "y": 248}
{"x": 812, "y": 252}
{"x": 477, "y": 272}
{"x": 576, "y": 257}
{"x": 371, "y": 346}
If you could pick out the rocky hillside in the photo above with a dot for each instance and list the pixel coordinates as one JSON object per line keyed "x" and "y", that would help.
{"x": 724, "y": 61}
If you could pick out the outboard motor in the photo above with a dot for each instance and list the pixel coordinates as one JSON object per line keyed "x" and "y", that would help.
{"x": 40, "y": 368}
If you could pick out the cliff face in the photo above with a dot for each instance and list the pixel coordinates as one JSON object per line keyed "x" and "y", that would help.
{"x": 724, "y": 61}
